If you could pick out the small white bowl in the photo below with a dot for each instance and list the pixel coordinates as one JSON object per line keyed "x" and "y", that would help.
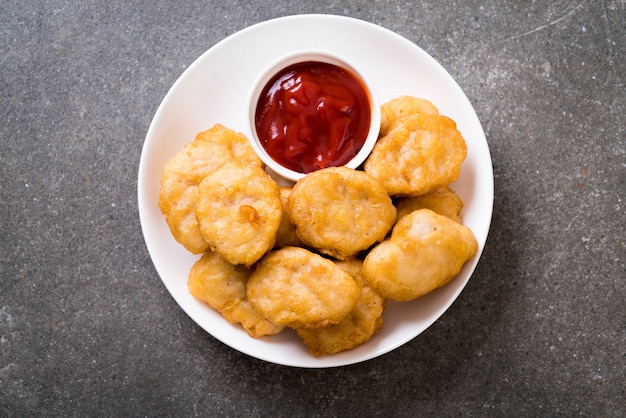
{"x": 305, "y": 56}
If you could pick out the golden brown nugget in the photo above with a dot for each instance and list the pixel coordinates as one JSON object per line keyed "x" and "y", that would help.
{"x": 425, "y": 251}
{"x": 236, "y": 142}
{"x": 401, "y": 107}
{"x": 442, "y": 201}
{"x": 365, "y": 319}
{"x": 179, "y": 190}
{"x": 297, "y": 288}
{"x": 222, "y": 286}
{"x": 184, "y": 172}
{"x": 286, "y": 234}
{"x": 421, "y": 154}
{"x": 239, "y": 210}
{"x": 340, "y": 211}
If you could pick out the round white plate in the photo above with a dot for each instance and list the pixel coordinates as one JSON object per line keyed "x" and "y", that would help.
{"x": 214, "y": 90}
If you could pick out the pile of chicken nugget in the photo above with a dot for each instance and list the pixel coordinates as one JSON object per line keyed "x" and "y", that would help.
{"x": 324, "y": 255}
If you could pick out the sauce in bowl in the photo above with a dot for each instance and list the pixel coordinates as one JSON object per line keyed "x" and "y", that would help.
{"x": 312, "y": 115}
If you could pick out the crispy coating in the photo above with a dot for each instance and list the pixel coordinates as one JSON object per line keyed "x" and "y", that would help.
{"x": 401, "y": 107}
{"x": 179, "y": 190}
{"x": 222, "y": 286}
{"x": 425, "y": 251}
{"x": 442, "y": 201}
{"x": 365, "y": 319}
{"x": 286, "y": 234}
{"x": 236, "y": 142}
{"x": 239, "y": 210}
{"x": 297, "y": 288}
{"x": 184, "y": 172}
{"x": 340, "y": 211}
{"x": 421, "y": 154}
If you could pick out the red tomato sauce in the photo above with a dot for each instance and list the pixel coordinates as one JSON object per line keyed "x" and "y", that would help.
{"x": 313, "y": 115}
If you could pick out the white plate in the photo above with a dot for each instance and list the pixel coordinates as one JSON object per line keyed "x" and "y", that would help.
{"x": 214, "y": 90}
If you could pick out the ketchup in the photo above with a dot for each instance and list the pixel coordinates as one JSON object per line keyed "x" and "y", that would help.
{"x": 313, "y": 115}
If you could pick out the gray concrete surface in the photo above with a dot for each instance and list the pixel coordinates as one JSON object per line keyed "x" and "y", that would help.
{"x": 88, "y": 329}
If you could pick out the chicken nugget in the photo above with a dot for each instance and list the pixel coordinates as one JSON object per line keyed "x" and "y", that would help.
{"x": 425, "y": 251}
{"x": 297, "y": 288}
{"x": 421, "y": 154}
{"x": 365, "y": 319}
{"x": 222, "y": 286}
{"x": 286, "y": 234}
{"x": 239, "y": 211}
{"x": 184, "y": 172}
{"x": 179, "y": 190}
{"x": 340, "y": 211}
{"x": 401, "y": 107}
{"x": 236, "y": 142}
{"x": 442, "y": 201}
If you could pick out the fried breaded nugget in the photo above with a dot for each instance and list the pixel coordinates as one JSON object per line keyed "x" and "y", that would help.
{"x": 297, "y": 288}
{"x": 184, "y": 172}
{"x": 401, "y": 107}
{"x": 422, "y": 153}
{"x": 442, "y": 201}
{"x": 236, "y": 142}
{"x": 286, "y": 234}
{"x": 425, "y": 251}
{"x": 340, "y": 211}
{"x": 239, "y": 210}
{"x": 179, "y": 190}
{"x": 222, "y": 286}
{"x": 365, "y": 319}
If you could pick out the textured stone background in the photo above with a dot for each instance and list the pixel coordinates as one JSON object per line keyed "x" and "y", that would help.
{"x": 87, "y": 328}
